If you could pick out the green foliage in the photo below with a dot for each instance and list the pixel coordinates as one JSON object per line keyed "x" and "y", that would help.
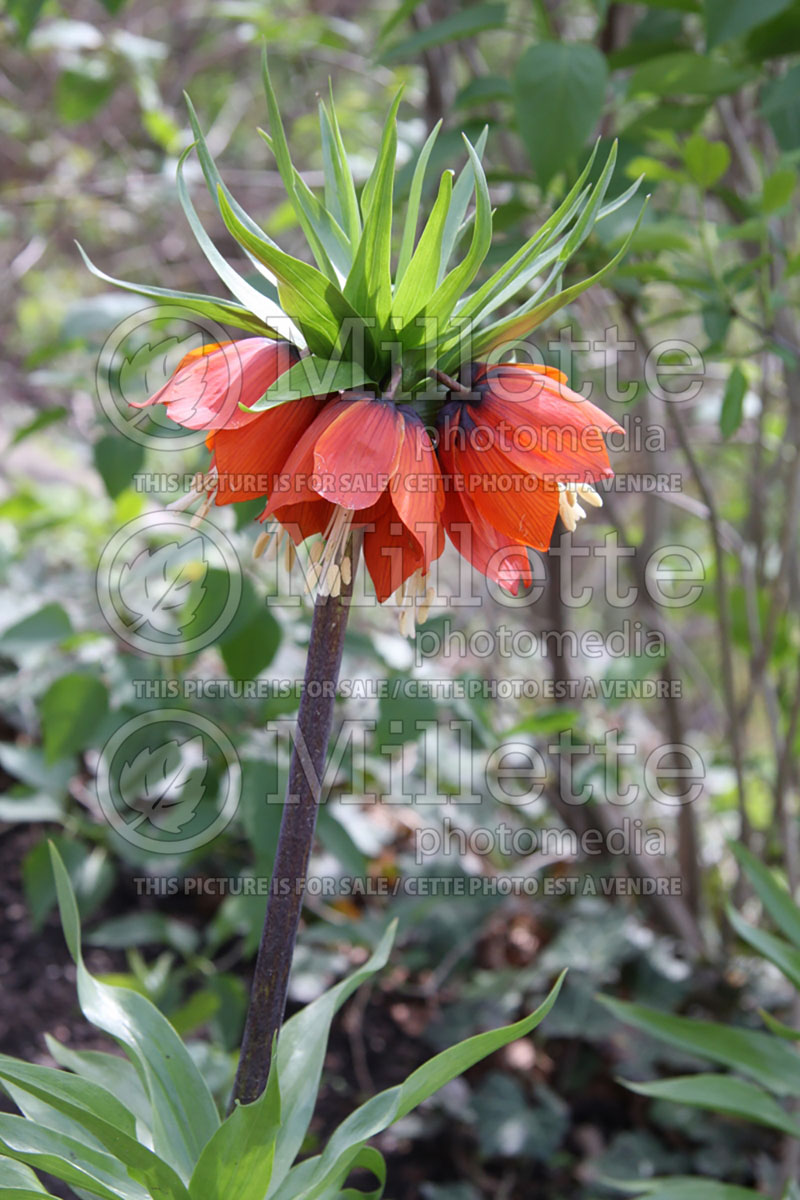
{"x": 771, "y": 1067}
{"x": 77, "y": 1125}
{"x": 558, "y": 91}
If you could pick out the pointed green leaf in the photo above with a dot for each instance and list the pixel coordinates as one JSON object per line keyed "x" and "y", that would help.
{"x": 557, "y": 221}
{"x": 245, "y": 293}
{"x": 217, "y": 310}
{"x": 312, "y": 301}
{"x": 761, "y": 1057}
{"x": 775, "y": 898}
{"x": 15, "y": 1175}
{"x": 58, "y": 1155}
{"x": 184, "y": 1114}
{"x": 312, "y": 377}
{"x": 520, "y": 324}
{"x": 331, "y": 236}
{"x": 412, "y": 208}
{"x": 301, "y": 1050}
{"x": 347, "y": 188}
{"x": 283, "y": 158}
{"x": 103, "y": 1116}
{"x": 420, "y": 279}
{"x": 785, "y": 957}
{"x": 110, "y": 1071}
{"x": 440, "y": 307}
{"x": 387, "y": 1107}
{"x": 462, "y": 194}
{"x": 369, "y": 284}
{"x": 721, "y": 1094}
{"x": 237, "y": 1162}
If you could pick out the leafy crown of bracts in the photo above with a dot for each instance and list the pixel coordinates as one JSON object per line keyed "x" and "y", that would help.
{"x": 351, "y": 315}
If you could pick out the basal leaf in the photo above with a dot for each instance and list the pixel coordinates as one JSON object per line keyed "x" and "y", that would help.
{"x": 387, "y": 1107}
{"x": 300, "y": 1053}
{"x": 184, "y": 1114}
{"x": 237, "y": 1162}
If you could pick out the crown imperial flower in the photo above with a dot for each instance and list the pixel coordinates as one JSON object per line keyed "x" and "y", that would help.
{"x": 341, "y": 409}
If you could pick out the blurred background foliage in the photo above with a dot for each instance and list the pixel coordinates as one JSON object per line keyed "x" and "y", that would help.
{"x": 704, "y": 97}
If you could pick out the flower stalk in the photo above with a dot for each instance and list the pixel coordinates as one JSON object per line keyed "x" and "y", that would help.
{"x": 296, "y": 838}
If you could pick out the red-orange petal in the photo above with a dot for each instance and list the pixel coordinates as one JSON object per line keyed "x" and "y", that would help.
{"x": 517, "y": 504}
{"x": 206, "y": 390}
{"x": 357, "y": 455}
{"x": 391, "y": 551}
{"x": 294, "y": 485}
{"x": 416, "y": 487}
{"x": 250, "y": 457}
{"x": 506, "y": 562}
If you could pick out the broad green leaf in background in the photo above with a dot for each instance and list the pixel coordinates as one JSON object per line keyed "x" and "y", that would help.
{"x": 773, "y": 1065}
{"x": 706, "y": 161}
{"x": 679, "y": 1188}
{"x": 730, "y": 417}
{"x": 117, "y": 460}
{"x": 463, "y": 23}
{"x": 43, "y": 627}
{"x": 721, "y": 1094}
{"x": 726, "y": 19}
{"x": 251, "y": 648}
{"x": 71, "y": 710}
{"x": 184, "y": 1114}
{"x": 687, "y": 74}
{"x": 780, "y": 105}
{"x": 559, "y": 90}
{"x": 778, "y": 189}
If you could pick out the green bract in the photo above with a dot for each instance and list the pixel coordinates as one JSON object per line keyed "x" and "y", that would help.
{"x": 145, "y": 1127}
{"x": 356, "y": 314}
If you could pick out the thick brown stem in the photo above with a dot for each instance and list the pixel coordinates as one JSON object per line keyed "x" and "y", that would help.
{"x": 314, "y": 721}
